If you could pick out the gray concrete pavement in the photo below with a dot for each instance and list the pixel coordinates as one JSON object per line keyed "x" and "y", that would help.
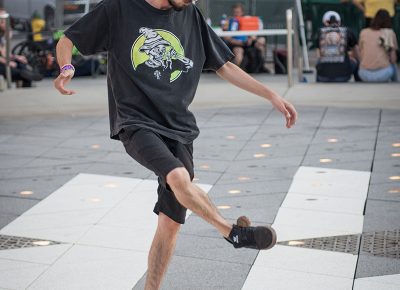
{"x": 46, "y": 139}
{"x": 91, "y": 97}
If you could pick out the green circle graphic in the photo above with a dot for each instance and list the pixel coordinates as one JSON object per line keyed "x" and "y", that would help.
{"x": 138, "y": 57}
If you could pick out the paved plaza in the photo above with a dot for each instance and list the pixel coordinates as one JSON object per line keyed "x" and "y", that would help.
{"x": 76, "y": 211}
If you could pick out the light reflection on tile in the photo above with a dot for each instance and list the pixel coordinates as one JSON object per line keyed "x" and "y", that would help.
{"x": 223, "y": 207}
{"x": 26, "y": 192}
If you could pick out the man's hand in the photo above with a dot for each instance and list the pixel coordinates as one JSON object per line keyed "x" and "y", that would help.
{"x": 13, "y": 64}
{"x": 286, "y": 108}
{"x": 20, "y": 58}
{"x": 62, "y": 80}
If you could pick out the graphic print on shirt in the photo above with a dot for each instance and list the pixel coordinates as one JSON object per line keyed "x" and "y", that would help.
{"x": 333, "y": 43}
{"x": 162, "y": 51}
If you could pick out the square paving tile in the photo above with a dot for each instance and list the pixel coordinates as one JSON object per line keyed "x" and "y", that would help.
{"x": 84, "y": 267}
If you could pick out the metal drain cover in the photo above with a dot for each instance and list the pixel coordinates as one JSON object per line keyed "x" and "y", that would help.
{"x": 382, "y": 244}
{"x": 345, "y": 244}
{"x": 15, "y": 242}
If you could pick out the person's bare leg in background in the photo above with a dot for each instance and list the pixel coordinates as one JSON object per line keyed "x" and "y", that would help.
{"x": 239, "y": 54}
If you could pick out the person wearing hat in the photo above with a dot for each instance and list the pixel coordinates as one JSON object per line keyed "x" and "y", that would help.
{"x": 335, "y": 64}
{"x": 148, "y": 106}
{"x": 371, "y": 7}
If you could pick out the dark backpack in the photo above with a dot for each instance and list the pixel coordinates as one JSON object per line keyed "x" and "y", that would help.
{"x": 253, "y": 61}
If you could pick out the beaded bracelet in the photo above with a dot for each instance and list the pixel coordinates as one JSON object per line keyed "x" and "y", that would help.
{"x": 67, "y": 67}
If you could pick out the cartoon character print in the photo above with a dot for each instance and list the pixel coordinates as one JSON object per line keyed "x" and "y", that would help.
{"x": 161, "y": 54}
{"x": 333, "y": 44}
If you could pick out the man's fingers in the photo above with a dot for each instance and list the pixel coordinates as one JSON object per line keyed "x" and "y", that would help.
{"x": 293, "y": 114}
{"x": 287, "y": 110}
{"x": 287, "y": 117}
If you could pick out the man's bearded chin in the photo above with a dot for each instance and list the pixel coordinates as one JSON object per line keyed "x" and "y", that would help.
{"x": 176, "y": 6}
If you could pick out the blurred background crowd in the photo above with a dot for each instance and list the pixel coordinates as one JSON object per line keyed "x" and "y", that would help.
{"x": 346, "y": 39}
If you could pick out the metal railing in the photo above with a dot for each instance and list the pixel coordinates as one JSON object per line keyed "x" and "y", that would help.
{"x": 6, "y": 17}
{"x": 267, "y": 32}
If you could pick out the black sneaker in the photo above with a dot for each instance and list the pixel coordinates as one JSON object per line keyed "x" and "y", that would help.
{"x": 260, "y": 238}
{"x": 242, "y": 221}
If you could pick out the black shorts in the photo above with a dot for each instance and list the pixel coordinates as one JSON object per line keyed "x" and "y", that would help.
{"x": 160, "y": 155}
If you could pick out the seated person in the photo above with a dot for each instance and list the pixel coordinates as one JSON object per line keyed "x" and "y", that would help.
{"x": 249, "y": 51}
{"x": 335, "y": 41}
{"x": 21, "y": 72}
{"x": 371, "y": 7}
{"x": 378, "y": 45}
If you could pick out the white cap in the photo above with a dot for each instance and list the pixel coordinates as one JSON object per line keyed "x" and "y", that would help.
{"x": 328, "y": 15}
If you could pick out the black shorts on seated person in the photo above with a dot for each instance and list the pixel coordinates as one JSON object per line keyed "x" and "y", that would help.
{"x": 160, "y": 155}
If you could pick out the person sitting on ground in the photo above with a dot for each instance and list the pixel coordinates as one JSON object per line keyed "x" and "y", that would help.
{"x": 21, "y": 72}
{"x": 378, "y": 45}
{"x": 249, "y": 51}
{"x": 335, "y": 63}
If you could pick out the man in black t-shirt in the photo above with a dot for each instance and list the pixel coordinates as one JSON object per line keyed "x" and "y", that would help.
{"x": 156, "y": 52}
{"x": 334, "y": 43}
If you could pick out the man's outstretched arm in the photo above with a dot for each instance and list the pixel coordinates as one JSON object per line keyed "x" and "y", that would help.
{"x": 64, "y": 56}
{"x": 233, "y": 74}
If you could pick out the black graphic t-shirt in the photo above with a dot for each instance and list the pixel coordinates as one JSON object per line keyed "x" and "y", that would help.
{"x": 334, "y": 44}
{"x": 155, "y": 58}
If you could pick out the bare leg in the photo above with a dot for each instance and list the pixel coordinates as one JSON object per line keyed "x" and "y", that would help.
{"x": 161, "y": 251}
{"x": 239, "y": 53}
{"x": 261, "y": 45}
{"x": 195, "y": 199}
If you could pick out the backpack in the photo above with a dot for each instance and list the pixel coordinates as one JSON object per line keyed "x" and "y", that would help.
{"x": 253, "y": 61}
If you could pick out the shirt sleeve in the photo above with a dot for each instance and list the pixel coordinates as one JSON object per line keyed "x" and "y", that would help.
{"x": 216, "y": 51}
{"x": 90, "y": 34}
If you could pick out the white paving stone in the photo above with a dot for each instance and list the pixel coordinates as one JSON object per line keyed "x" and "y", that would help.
{"x": 110, "y": 222}
{"x": 331, "y": 174}
{"x": 61, "y": 234}
{"x": 319, "y": 220}
{"x": 88, "y": 267}
{"x": 323, "y": 203}
{"x": 41, "y": 255}
{"x": 288, "y": 233}
{"x": 331, "y": 182}
{"x": 86, "y": 191}
{"x": 129, "y": 238}
{"x": 387, "y": 282}
{"x": 308, "y": 260}
{"x": 49, "y": 221}
{"x": 18, "y": 274}
{"x": 261, "y": 278}
{"x": 319, "y": 188}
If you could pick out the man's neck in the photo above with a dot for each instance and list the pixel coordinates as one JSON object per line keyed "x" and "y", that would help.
{"x": 159, "y": 4}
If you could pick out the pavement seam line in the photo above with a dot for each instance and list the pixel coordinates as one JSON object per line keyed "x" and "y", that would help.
{"x": 366, "y": 198}
{"x": 50, "y": 266}
{"x": 317, "y": 128}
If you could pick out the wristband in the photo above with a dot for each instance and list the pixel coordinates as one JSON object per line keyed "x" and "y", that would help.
{"x": 67, "y": 67}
